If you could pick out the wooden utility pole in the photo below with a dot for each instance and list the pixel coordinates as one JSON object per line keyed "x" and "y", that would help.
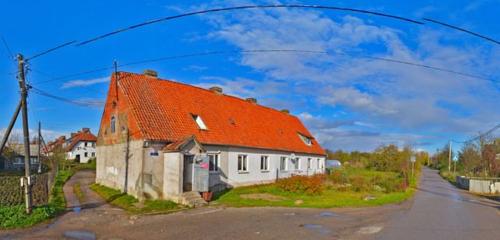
{"x": 24, "y": 108}
{"x": 39, "y": 142}
{"x": 449, "y": 157}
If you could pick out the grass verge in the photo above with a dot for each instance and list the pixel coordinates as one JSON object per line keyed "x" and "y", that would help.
{"x": 15, "y": 216}
{"x": 77, "y": 190}
{"x": 346, "y": 188}
{"x": 131, "y": 204}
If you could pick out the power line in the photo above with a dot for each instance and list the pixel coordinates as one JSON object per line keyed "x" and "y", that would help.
{"x": 8, "y": 48}
{"x": 479, "y": 136}
{"x": 246, "y": 7}
{"x": 462, "y": 30}
{"x": 62, "y": 99}
{"x": 221, "y": 52}
{"x": 50, "y": 50}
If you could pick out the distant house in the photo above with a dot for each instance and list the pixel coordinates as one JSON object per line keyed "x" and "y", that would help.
{"x": 166, "y": 139}
{"x": 13, "y": 157}
{"x": 80, "y": 147}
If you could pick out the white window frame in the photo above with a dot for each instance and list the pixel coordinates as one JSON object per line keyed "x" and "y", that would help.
{"x": 309, "y": 163}
{"x": 244, "y": 166}
{"x": 305, "y": 139}
{"x": 319, "y": 164}
{"x": 283, "y": 163}
{"x": 199, "y": 121}
{"x": 93, "y": 154}
{"x": 18, "y": 160}
{"x": 34, "y": 160}
{"x": 264, "y": 159}
{"x": 296, "y": 163}
{"x": 216, "y": 157}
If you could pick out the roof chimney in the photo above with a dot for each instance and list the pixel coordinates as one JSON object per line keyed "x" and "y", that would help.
{"x": 251, "y": 100}
{"x": 285, "y": 111}
{"x": 86, "y": 130}
{"x": 217, "y": 90}
{"x": 151, "y": 73}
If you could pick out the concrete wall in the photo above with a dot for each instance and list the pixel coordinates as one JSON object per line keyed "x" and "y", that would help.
{"x": 81, "y": 149}
{"x": 111, "y": 162}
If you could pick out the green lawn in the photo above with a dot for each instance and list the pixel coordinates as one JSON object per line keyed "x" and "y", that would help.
{"x": 131, "y": 204}
{"x": 332, "y": 195}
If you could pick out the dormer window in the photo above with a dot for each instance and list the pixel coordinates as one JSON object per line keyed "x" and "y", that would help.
{"x": 113, "y": 124}
{"x": 199, "y": 122}
{"x": 305, "y": 139}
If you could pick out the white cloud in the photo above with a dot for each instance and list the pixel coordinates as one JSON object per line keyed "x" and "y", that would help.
{"x": 84, "y": 82}
{"x": 387, "y": 95}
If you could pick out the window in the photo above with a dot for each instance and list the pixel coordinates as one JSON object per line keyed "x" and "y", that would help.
{"x": 200, "y": 122}
{"x": 242, "y": 163}
{"x": 319, "y": 164}
{"x": 93, "y": 144}
{"x": 309, "y": 163}
{"x": 34, "y": 160}
{"x": 296, "y": 163}
{"x": 283, "y": 165}
{"x": 305, "y": 139}
{"x": 213, "y": 160}
{"x": 264, "y": 163}
{"x": 113, "y": 124}
{"x": 19, "y": 160}
{"x": 93, "y": 154}
{"x": 86, "y": 154}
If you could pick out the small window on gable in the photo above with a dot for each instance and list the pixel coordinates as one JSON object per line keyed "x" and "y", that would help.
{"x": 305, "y": 139}
{"x": 199, "y": 122}
{"x": 113, "y": 124}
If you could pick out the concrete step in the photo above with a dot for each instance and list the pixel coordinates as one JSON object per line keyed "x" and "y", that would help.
{"x": 193, "y": 199}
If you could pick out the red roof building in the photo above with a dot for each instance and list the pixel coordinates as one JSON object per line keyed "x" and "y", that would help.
{"x": 165, "y": 115}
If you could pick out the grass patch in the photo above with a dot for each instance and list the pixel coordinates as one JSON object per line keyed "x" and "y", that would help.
{"x": 351, "y": 187}
{"x": 131, "y": 204}
{"x": 15, "y": 216}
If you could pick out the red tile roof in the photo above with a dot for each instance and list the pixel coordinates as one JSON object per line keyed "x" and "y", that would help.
{"x": 81, "y": 136}
{"x": 163, "y": 110}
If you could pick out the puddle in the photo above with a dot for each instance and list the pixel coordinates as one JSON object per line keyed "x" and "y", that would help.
{"x": 369, "y": 230}
{"x": 80, "y": 235}
{"x": 317, "y": 228}
{"x": 328, "y": 214}
{"x": 289, "y": 214}
{"x": 77, "y": 209}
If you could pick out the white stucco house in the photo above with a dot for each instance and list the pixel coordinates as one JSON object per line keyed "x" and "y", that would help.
{"x": 164, "y": 139}
{"x": 81, "y": 147}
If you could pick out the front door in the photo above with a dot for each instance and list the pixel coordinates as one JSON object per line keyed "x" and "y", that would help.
{"x": 188, "y": 173}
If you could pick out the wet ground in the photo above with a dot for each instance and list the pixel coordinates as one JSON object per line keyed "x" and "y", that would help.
{"x": 438, "y": 212}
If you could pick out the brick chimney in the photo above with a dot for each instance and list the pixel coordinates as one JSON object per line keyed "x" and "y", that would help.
{"x": 217, "y": 90}
{"x": 251, "y": 100}
{"x": 285, "y": 111}
{"x": 151, "y": 73}
{"x": 86, "y": 130}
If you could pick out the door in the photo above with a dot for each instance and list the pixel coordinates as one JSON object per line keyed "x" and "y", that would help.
{"x": 77, "y": 158}
{"x": 187, "y": 185}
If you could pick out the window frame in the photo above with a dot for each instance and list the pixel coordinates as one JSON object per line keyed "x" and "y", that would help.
{"x": 199, "y": 121}
{"x": 244, "y": 167}
{"x": 307, "y": 140}
{"x": 296, "y": 163}
{"x": 113, "y": 124}
{"x": 264, "y": 159}
{"x": 283, "y": 163}
{"x": 309, "y": 163}
{"x": 216, "y": 164}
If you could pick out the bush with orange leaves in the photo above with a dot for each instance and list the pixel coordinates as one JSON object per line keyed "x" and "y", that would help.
{"x": 312, "y": 185}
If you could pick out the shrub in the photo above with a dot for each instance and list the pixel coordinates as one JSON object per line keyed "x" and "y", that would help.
{"x": 338, "y": 177}
{"x": 359, "y": 184}
{"x": 312, "y": 185}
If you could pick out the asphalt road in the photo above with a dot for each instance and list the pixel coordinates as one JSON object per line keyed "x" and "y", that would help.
{"x": 441, "y": 211}
{"x": 438, "y": 211}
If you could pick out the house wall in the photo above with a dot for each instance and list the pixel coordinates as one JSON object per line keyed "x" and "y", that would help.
{"x": 153, "y": 168}
{"x": 81, "y": 149}
{"x": 111, "y": 166}
{"x": 228, "y": 173}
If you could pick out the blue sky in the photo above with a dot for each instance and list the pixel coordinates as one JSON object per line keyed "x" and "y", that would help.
{"x": 348, "y": 101}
